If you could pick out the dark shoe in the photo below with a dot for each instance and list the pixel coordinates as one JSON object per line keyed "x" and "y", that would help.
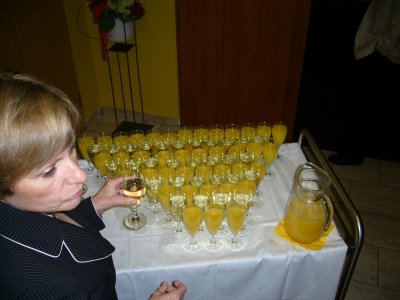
{"x": 342, "y": 159}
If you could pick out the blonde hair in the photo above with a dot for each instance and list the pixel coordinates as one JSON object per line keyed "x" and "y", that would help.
{"x": 37, "y": 122}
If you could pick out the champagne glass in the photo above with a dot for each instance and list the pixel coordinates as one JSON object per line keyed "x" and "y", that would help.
{"x": 232, "y": 131}
{"x": 200, "y": 134}
{"x": 177, "y": 181}
{"x": 185, "y": 135}
{"x": 204, "y": 171}
{"x": 182, "y": 155}
{"x": 247, "y": 131}
{"x": 197, "y": 181}
{"x": 254, "y": 148}
{"x": 153, "y": 185}
{"x": 245, "y": 199}
{"x": 96, "y": 157}
{"x": 221, "y": 198}
{"x": 236, "y": 215}
{"x": 112, "y": 167}
{"x": 104, "y": 140}
{"x": 192, "y": 218}
{"x": 84, "y": 142}
{"x": 164, "y": 194}
{"x": 153, "y": 136}
{"x": 136, "y": 138}
{"x": 264, "y": 131}
{"x": 279, "y": 131}
{"x": 213, "y": 217}
{"x": 200, "y": 201}
{"x": 162, "y": 153}
{"x": 165, "y": 173}
{"x": 260, "y": 169}
{"x": 149, "y": 172}
{"x": 134, "y": 188}
{"x": 270, "y": 152}
{"x": 121, "y": 139}
{"x": 216, "y": 133}
{"x": 178, "y": 202}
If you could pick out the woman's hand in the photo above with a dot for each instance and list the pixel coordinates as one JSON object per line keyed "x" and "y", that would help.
{"x": 176, "y": 291}
{"x": 111, "y": 195}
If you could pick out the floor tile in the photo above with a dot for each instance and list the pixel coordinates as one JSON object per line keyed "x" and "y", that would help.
{"x": 390, "y": 174}
{"x": 389, "y": 269}
{"x": 367, "y": 172}
{"x": 381, "y": 231}
{"x": 366, "y": 270}
{"x": 362, "y": 291}
{"x": 376, "y": 199}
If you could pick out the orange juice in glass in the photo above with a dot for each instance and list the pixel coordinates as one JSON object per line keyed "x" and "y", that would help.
{"x": 255, "y": 148}
{"x": 153, "y": 136}
{"x": 216, "y": 132}
{"x": 188, "y": 190}
{"x": 169, "y": 135}
{"x": 248, "y": 186}
{"x": 136, "y": 137}
{"x": 185, "y": 171}
{"x": 232, "y": 131}
{"x": 121, "y": 139}
{"x": 141, "y": 155}
{"x": 259, "y": 167}
{"x": 200, "y": 133}
{"x": 208, "y": 189}
{"x": 149, "y": 173}
{"x": 165, "y": 173}
{"x": 164, "y": 194}
{"x": 239, "y": 167}
{"x": 263, "y": 131}
{"x": 182, "y": 155}
{"x": 185, "y": 134}
{"x": 121, "y": 157}
{"x": 236, "y": 149}
{"x": 100, "y": 160}
{"x": 270, "y": 152}
{"x": 221, "y": 169}
{"x": 248, "y": 131}
{"x": 104, "y": 140}
{"x": 84, "y": 141}
{"x": 162, "y": 157}
{"x": 279, "y": 131}
{"x": 204, "y": 171}
{"x": 216, "y": 151}
{"x": 229, "y": 188}
{"x": 199, "y": 153}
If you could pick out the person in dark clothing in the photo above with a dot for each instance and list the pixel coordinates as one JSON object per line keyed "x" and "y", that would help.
{"x": 369, "y": 116}
{"x": 51, "y": 247}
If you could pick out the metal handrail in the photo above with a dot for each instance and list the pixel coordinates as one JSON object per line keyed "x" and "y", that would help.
{"x": 347, "y": 219}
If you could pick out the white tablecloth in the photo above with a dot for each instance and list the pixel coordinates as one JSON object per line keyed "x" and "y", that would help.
{"x": 267, "y": 268}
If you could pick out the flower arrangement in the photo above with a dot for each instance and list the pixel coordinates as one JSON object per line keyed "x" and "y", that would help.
{"x": 106, "y": 11}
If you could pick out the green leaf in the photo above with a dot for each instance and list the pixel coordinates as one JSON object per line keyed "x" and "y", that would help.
{"x": 106, "y": 23}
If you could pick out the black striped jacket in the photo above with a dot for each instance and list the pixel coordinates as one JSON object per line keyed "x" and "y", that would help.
{"x": 46, "y": 258}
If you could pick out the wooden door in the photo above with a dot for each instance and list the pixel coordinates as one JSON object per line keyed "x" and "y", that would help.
{"x": 240, "y": 61}
{"x": 34, "y": 39}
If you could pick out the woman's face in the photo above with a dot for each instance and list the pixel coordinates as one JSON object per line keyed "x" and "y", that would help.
{"x": 57, "y": 186}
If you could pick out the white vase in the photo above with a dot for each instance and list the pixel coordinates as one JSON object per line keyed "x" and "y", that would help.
{"x": 118, "y": 35}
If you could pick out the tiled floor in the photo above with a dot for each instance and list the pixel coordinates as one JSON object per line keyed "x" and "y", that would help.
{"x": 374, "y": 188}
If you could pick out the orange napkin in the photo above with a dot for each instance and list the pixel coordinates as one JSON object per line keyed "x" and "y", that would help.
{"x": 317, "y": 245}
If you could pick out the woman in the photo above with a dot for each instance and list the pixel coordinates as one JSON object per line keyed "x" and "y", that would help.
{"x": 49, "y": 237}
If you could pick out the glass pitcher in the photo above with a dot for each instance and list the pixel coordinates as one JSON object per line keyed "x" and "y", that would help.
{"x": 309, "y": 210}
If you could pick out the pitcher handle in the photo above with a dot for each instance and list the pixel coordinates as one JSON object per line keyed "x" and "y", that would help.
{"x": 329, "y": 210}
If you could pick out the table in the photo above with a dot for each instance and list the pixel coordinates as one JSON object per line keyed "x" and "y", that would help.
{"x": 268, "y": 268}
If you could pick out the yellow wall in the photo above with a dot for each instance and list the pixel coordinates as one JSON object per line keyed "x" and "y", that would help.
{"x": 156, "y": 41}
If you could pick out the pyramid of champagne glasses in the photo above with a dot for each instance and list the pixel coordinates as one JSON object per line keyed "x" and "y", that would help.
{"x": 189, "y": 167}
